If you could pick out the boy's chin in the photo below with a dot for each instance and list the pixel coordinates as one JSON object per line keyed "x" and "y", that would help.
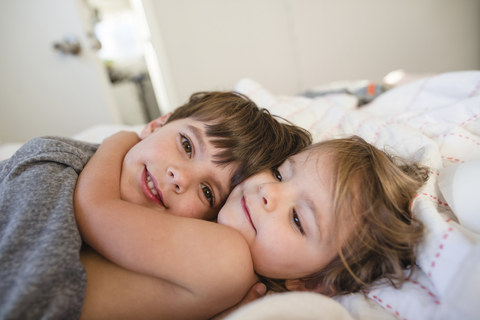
{"x": 131, "y": 196}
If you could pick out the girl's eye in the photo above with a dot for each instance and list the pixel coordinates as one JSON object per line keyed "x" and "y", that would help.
{"x": 187, "y": 146}
{"x": 208, "y": 194}
{"x": 276, "y": 174}
{"x": 297, "y": 222}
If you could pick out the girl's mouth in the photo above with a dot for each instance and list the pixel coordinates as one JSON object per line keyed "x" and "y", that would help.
{"x": 150, "y": 189}
{"x": 247, "y": 212}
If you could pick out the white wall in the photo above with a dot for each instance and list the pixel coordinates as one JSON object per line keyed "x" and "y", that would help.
{"x": 290, "y": 45}
{"x": 43, "y": 92}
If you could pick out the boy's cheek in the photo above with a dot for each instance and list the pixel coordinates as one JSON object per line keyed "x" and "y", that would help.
{"x": 194, "y": 210}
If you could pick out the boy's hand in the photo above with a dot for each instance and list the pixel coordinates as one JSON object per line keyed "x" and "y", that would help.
{"x": 127, "y": 138}
{"x": 258, "y": 290}
{"x": 119, "y": 143}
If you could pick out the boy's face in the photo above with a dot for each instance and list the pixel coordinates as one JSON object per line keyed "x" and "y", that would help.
{"x": 171, "y": 170}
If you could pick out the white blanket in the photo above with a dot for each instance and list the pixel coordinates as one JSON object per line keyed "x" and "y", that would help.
{"x": 433, "y": 120}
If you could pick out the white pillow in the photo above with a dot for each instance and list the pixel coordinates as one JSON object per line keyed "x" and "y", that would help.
{"x": 460, "y": 185}
{"x": 292, "y": 305}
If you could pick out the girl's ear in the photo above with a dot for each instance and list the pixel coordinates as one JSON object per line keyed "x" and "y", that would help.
{"x": 303, "y": 285}
{"x": 153, "y": 125}
{"x": 295, "y": 285}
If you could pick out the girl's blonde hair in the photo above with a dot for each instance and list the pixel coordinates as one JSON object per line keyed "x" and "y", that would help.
{"x": 372, "y": 190}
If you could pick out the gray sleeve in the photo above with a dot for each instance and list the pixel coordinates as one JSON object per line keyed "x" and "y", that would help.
{"x": 41, "y": 276}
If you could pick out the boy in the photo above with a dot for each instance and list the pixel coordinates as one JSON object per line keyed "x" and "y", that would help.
{"x": 176, "y": 168}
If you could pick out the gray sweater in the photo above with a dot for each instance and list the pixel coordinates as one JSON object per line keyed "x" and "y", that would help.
{"x": 41, "y": 276}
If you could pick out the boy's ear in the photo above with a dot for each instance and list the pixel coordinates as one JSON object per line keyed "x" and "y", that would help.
{"x": 154, "y": 124}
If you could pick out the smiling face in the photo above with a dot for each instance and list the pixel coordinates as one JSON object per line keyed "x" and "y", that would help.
{"x": 286, "y": 216}
{"x": 171, "y": 170}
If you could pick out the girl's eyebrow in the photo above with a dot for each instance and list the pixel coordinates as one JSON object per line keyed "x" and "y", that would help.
{"x": 312, "y": 212}
{"x": 312, "y": 207}
{"x": 292, "y": 165}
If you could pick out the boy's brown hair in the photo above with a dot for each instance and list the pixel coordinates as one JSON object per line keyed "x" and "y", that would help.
{"x": 372, "y": 191}
{"x": 243, "y": 132}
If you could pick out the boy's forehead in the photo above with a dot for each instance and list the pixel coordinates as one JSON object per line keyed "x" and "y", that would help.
{"x": 199, "y": 129}
{"x": 203, "y": 143}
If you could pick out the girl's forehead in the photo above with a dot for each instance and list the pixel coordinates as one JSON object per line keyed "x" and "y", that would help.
{"x": 313, "y": 161}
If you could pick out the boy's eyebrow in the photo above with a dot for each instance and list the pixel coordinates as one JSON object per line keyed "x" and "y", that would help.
{"x": 199, "y": 137}
{"x": 220, "y": 186}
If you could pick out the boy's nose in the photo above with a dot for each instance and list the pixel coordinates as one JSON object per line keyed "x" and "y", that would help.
{"x": 178, "y": 178}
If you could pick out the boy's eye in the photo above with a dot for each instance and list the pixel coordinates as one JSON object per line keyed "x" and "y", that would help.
{"x": 297, "y": 222}
{"x": 276, "y": 174}
{"x": 187, "y": 146}
{"x": 208, "y": 194}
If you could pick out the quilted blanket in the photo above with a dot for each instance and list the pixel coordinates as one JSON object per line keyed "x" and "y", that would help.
{"x": 433, "y": 120}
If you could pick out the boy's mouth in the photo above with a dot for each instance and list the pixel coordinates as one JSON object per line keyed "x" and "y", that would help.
{"x": 150, "y": 189}
{"x": 247, "y": 212}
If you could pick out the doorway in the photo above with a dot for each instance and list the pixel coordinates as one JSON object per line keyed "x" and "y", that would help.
{"x": 120, "y": 49}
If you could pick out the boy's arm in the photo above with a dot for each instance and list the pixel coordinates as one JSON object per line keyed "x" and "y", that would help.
{"x": 104, "y": 168}
{"x": 258, "y": 290}
{"x": 204, "y": 258}
{"x": 100, "y": 178}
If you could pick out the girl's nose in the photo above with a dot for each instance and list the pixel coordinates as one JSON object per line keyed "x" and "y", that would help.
{"x": 178, "y": 178}
{"x": 269, "y": 194}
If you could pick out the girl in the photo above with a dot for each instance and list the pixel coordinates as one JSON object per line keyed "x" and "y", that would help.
{"x": 332, "y": 219}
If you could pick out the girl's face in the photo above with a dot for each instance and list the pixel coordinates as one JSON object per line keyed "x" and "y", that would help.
{"x": 285, "y": 215}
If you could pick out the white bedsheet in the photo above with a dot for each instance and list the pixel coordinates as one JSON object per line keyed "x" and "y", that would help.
{"x": 434, "y": 120}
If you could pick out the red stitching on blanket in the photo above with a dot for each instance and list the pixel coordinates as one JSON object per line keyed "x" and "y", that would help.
{"x": 324, "y": 116}
{"x": 298, "y": 111}
{"x": 431, "y": 196}
{"x": 361, "y": 123}
{"x": 332, "y": 104}
{"x": 424, "y": 288}
{"x": 459, "y": 135}
{"x": 453, "y": 159}
{"x": 402, "y": 124}
{"x": 418, "y": 93}
{"x": 475, "y": 90}
{"x": 472, "y": 118}
{"x": 336, "y": 126}
{"x": 441, "y": 246}
{"x": 424, "y": 125}
{"x": 374, "y": 297}
{"x": 378, "y": 132}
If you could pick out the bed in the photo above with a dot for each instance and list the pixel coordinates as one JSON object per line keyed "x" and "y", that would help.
{"x": 434, "y": 120}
